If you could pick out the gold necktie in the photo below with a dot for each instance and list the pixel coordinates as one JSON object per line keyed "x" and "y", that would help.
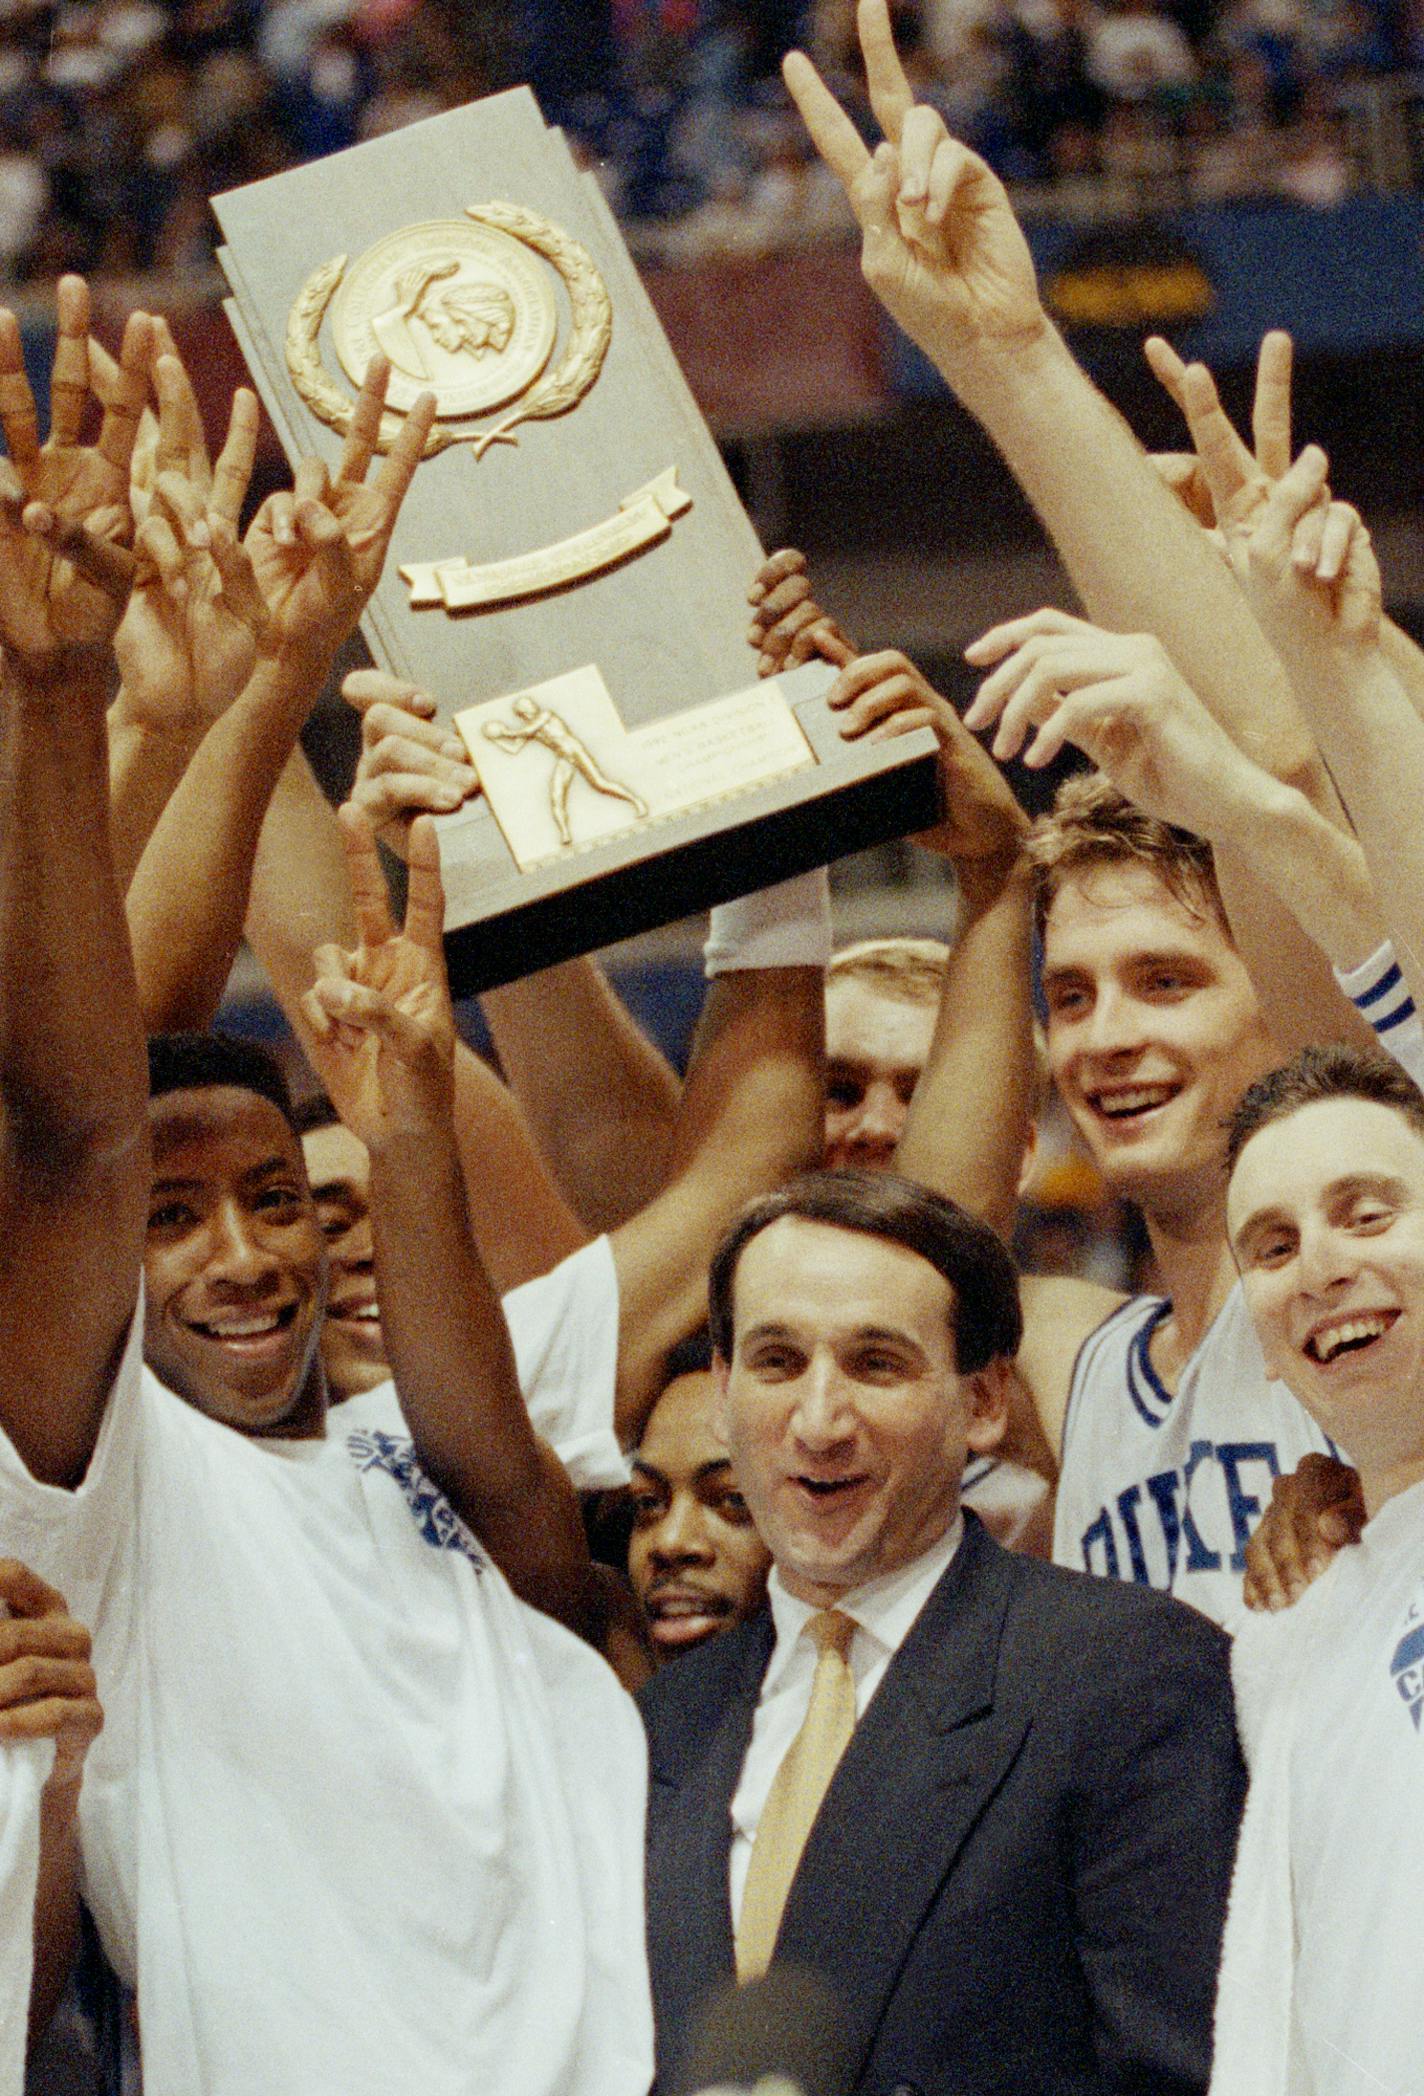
{"x": 795, "y": 1796}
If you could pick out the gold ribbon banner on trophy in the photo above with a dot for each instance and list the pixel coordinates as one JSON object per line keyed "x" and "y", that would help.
{"x": 640, "y": 520}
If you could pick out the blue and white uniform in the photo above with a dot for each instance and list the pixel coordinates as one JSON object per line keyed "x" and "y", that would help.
{"x": 1379, "y": 992}
{"x": 1166, "y": 1489}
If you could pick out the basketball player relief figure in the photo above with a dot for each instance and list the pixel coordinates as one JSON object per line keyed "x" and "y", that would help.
{"x": 571, "y": 759}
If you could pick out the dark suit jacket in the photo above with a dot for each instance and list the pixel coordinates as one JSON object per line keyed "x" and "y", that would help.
{"x": 1018, "y": 1879}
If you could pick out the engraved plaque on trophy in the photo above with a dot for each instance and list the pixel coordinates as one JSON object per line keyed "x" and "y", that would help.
{"x": 568, "y": 575}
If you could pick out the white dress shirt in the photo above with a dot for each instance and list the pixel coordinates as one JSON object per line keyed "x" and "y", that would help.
{"x": 883, "y": 1611}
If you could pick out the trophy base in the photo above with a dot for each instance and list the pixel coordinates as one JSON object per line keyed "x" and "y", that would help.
{"x": 502, "y": 924}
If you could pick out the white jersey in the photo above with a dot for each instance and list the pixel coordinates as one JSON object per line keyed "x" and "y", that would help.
{"x": 1381, "y": 995}
{"x": 1330, "y": 1700}
{"x": 359, "y": 1820}
{"x": 1166, "y": 1489}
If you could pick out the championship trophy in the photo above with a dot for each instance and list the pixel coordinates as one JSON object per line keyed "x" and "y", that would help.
{"x": 568, "y": 576}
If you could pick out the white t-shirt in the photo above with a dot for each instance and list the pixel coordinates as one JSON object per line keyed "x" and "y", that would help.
{"x": 1350, "y": 1656}
{"x": 1166, "y": 1488}
{"x": 564, "y": 1328}
{"x": 359, "y": 1821}
{"x": 24, "y": 1766}
{"x": 1379, "y": 991}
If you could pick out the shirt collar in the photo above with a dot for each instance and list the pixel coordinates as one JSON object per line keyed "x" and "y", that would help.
{"x": 884, "y": 1609}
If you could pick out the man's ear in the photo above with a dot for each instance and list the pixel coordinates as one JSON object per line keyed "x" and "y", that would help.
{"x": 720, "y": 1408}
{"x": 989, "y": 1405}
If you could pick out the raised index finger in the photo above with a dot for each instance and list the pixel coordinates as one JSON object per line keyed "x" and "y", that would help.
{"x": 365, "y": 428}
{"x": 398, "y": 467}
{"x": 233, "y": 471}
{"x": 833, "y": 134}
{"x": 123, "y": 409}
{"x": 368, "y": 884}
{"x": 1226, "y": 462}
{"x": 425, "y": 891}
{"x": 891, "y": 96}
{"x": 18, "y": 416}
{"x": 69, "y": 374}
{"x": 1271, "y": 409}
{"x": 182, "y": 444}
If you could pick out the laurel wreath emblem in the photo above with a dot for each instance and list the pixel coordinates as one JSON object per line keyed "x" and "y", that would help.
{"x": 559, "y": 389}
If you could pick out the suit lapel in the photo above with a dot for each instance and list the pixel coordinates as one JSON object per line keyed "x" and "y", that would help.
{"x": 690, "y": 1937}
{"x": 926, "y": 1758}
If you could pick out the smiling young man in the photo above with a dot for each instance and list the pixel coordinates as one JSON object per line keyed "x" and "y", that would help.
{"x": 1170, "y": 1429}
{"x": 235, "y": 1267}
{"x": 992, "y": 1804}
{"x": 360, "y": 1818}
{"x": 1322, "y": 1971}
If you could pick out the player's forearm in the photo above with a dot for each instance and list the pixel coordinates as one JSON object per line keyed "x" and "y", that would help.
{"x": 752, "y": 1116}
{"x": 56, "y": 1938}
{"x": 72, "y": 1060}
{"x": 445, "y": 1333}
{"x": 1406, "y": 659}
{"x": 521, "y": 1223}
{"x": 1312, "y": 868}
{"x": 145, "y": 765}
{"x": 188, "y": 900}
{"x": 599, "y": 1099}
{"x": 969, "y": 1121}
{"x": 454, "y": 1368}
{"x": 299, "y": 897}
{"x": 1139, "y": 562}
{"x": 1373, "y": 741}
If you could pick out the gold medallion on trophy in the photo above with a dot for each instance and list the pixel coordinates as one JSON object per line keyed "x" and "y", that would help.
{"x": 465, "y": 308}
{"x": 459, "y": 308}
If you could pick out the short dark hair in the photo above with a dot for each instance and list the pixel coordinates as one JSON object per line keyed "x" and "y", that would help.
{"x": 315, "y": 1111}
{"x": 988, "y": 1321}
{"x": 191, "y": 1062}
{"x": 1317, "y": 1074}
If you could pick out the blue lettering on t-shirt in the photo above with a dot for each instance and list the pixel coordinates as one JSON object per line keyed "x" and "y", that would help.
{"x": 1125, "y": 1532}
{"x": 1199, "y": 1557}
{"x": 1245, "y": 1508}
{"x": 1136, "y": 1556}
{"x": 1407, "y": 1670}
{"x": 438, "y": 1523}
{"x": 1100, "y": 1531}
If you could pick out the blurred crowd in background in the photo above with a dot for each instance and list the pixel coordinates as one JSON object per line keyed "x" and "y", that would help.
{"x": 118, "y": 118}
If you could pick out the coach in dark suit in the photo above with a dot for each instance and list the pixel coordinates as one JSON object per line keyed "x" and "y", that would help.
{"x": 1017, "y": 1862}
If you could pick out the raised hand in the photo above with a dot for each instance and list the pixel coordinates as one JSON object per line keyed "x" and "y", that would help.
{"x": 1226, "y": 482}
{"x": 196, "y": 620}
{"x": 788, "y": 626}
{"x": 1116, "y": 697}
{"x": 384, "y": 1031}
{"x": 1309, "y": 569}
{"x": 941, "y": 248}
{"x": 410, "y": 763}
{"x": 65, "y": 522}
{"x": 318, "y": 548}
{"x": 47, "y": 1686}
{"x": 883, "y": 695}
